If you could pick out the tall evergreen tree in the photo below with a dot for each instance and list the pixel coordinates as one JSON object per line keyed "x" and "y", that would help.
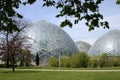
{"x": 37, "y": 59}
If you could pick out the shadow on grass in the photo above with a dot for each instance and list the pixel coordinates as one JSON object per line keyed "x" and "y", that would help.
{"x": 20, "y": 72}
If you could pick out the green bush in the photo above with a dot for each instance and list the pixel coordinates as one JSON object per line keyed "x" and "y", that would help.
{"x": 65, "y": 62}
{"x": 84, "y": 59}
{"x": 108, "y": 61}
{"x": 115, "y": 61}
{"x": 94, "y": 62}
{"x": 103, "y": 60}
{"x": 2, "y": 65}
{"x": 53, "y": 62}
{"x": 80, "y": 59}
{"x": 75, "y": 60}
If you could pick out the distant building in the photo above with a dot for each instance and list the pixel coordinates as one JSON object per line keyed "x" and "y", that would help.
{"x": 108, "y": 43}
{"x": 83, "y": 46}
{"x": 49, "y": 40}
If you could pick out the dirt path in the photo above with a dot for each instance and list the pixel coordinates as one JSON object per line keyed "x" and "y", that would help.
{"x": 65, "y": 70}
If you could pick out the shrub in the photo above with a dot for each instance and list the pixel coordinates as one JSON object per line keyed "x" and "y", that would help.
{"x": 94, "y": 62}
{"x": 115, "y": 61}
{"x": 75, "y": 60}
{"x": 2, "y": 65}
{"x": 65, "y": 62}
{"x": 84, "y": 59}
{"x": 80, "y": 59}
{"x": 53, "y": 62}
{"x": 103, "y": 60}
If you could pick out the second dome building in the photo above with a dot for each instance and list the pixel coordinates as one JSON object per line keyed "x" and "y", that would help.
{"x": 108, "y": 43}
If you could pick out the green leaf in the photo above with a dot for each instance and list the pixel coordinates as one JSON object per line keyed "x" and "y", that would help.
{"x": 106, "y": 24}
{"x": 48, "y": 3}
{"x": 94, "y": 22}
{"x": 91, "y": 28}
{"x": 31, "y": 1}
{"x": 118, "y": 2}
{"x": 76, "y": 21}
{"x": 99, "y": 1}
{"x": 66, "y": 23}
{"x": 20, "y": 16}
{"x": 101, "y": 23}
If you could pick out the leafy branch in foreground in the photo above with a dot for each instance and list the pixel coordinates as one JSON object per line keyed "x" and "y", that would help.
{"x": 78, "y": 10}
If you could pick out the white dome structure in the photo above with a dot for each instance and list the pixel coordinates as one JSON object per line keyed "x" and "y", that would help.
{"x": 108, "y": 43}
{"x": 83, "y": 46}
{"x": 49, "y": 40}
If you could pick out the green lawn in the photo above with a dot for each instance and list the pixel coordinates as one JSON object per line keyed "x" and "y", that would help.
{"x": 54, "y": 75}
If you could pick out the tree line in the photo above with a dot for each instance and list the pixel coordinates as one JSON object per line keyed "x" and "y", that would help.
{"x": 82, "y": 60}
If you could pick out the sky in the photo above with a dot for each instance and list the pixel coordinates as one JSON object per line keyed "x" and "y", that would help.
{"x": 79, "y": 32}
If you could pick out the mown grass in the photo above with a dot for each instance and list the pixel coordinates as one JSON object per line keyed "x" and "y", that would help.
{"x": 49, "y": 75}
{"x": 64, "y": 68}
{"x": 54, "y": 75}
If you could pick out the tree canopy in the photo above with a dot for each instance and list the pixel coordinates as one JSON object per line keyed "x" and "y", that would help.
{"x": 118, "y": 2}
{"x": 87, "y": 10}
{"x": 7, "y": 12}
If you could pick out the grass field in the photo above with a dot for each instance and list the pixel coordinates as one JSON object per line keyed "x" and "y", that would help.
{"x": 33, "y": 75}
{"x": 57, "y": 75}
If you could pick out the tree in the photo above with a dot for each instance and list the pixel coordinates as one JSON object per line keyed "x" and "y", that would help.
{"x": 69, "y": 8}
{"x": 24, "y": 57}
{"x": 79, "y": 59}
{"x": 13, "y": 42}
{"x": 65, "y": 61}
{"x": 17, "y": 40}
{"x": 118, "y": 2}
{"x": 87, "y": 10}
{"x": 103, "y": 60}
{"x": 37, "y": 59}
{"x": 84, "y": 59}
{"x": 94, "y": 62}
{"x": 53, "y": 62}
{"x": 75, "y": 60}
{"x": 79, "y": 10}
{"x": 7, "y": 12}
{"x": 9, "y": 39}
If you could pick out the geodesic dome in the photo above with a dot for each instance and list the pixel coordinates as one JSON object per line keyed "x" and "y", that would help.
{"x": 109, "y": 43}
{"x": 49, "y": 40}
{"x": 83, "y": 46}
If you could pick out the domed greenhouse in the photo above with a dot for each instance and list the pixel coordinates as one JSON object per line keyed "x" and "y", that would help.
{"x": 83, "y": 46}
{"x": 108, "y": 43}
{"x": 49, "y": 40}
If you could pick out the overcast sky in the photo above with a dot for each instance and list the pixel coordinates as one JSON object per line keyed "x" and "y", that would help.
{"x": 79, "y": 32}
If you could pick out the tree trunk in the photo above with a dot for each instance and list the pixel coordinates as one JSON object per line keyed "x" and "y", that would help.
{"x": 37, "y": 59}
{"x": 21, "y": 62}
{"x": 13, "y": 61}
{"x": 7, "y": 62}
